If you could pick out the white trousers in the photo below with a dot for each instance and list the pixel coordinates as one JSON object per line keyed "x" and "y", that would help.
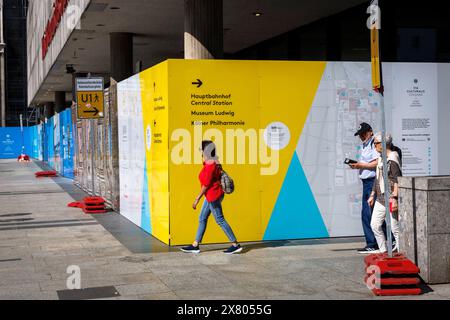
{"x": 378, "y": 217}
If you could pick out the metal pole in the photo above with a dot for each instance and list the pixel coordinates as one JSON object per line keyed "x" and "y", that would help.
{"x": 92, "y": 146}
{"x": 387, "y": 190}
{"x": 21, "y": 130}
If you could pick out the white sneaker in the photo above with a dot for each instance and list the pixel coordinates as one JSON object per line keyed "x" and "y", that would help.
{"x": 395, "y": 246}
{"x": 368, "y": 250}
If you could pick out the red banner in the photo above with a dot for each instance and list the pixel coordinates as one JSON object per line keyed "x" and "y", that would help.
{"x": 52, "y": 25}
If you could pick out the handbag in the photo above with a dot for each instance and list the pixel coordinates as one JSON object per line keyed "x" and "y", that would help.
{"x": 226, "y": 182}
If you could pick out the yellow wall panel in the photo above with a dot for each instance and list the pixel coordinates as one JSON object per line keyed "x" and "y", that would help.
{"x": 240, "y": 105}
{"x": 287, "y": 93}
{"x": 234, "y": 93}
{"x": 156, "y": 122}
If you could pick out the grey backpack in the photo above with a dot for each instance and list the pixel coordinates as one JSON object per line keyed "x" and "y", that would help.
{"x": 226, "y": 182}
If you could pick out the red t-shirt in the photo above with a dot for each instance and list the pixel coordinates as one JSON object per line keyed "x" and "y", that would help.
{"x": 210, "y": 178}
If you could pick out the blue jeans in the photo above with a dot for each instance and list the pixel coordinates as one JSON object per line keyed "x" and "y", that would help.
{"x": 216, "y": 208}
{"x": 366, "y": 213}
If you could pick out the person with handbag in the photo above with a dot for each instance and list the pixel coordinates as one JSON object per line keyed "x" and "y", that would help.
{"x": 377, "y": 196}
{"x": 211, "y": 178}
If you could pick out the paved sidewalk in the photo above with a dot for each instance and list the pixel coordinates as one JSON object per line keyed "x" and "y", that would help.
{"x": 40, "y": 237}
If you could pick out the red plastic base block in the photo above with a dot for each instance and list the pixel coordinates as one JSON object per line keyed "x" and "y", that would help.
{"x": 76, "y": 205}
{"x": 46, "y": 174}
{"x": 93, "y": 211}
{"x": 413, "y": 281}
{"x": 397, "y": 292}
{"x": 90, "y": 205}
{"x": 398, "y": 264}
{"x": 23, "y": 158}
{"x": 94, "y": 201}
{"x": 94, "y": 205}
{"x": 93, "y": 208}
{"x": 396, "y": 276}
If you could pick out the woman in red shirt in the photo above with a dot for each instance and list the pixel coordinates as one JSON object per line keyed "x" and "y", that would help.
{"x": 212, "y": 190}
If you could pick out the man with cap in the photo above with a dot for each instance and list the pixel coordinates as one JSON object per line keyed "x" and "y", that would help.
{"x": 367, "y": 173}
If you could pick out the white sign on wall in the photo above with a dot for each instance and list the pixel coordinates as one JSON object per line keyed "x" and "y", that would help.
{"x": 415, "y": 116}
{"x": 131, "y": 138}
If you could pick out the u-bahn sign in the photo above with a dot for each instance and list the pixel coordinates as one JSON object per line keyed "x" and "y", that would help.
{"x": 90, "y": 102}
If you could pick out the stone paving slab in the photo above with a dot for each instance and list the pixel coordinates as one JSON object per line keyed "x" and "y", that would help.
{"x": 156, "y": 296}
{"x": 156, "y": 286}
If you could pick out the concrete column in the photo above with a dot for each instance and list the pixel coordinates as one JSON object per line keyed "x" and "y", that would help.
{"x": 203, "y": 29}
{"x": 425, "y": 225}
{"x": 49, "y": 110}
{"x": 60, "y": 101}
{"x": 121, "y": 52}
{"x": 41, "y": 114}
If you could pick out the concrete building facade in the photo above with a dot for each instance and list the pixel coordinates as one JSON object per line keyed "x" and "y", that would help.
{"x": 49, "y": 23}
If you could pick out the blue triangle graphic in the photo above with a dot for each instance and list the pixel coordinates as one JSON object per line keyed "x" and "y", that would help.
{"x": 145, "y": 213}
{"x": 296, "y": 214}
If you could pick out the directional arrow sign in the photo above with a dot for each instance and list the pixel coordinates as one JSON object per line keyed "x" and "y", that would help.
{"x": 199, "y": 83}
{"x": 95, "y": 111}
{"x": 90, "y": 99}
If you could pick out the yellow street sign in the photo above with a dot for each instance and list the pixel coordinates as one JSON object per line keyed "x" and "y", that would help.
{"x": 375, "y": 54}
{"x": 90, "y": 100}
{"x": 90, "y": 104}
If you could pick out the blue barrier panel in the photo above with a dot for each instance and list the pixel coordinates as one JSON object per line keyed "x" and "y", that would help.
{"x": 44, "y": 142}
{"x": 10, "y": 142}
{"x": 49, "y": 152}
{"x": 56, "y": 134}
{"x": 51, "y": 142}
{"x": 34, "y": 146}
{"x": 29, "y": 143}
{"x": 28, "y": 133}
{"x": 66, "y": 151}
{"x": 40, "y": 142}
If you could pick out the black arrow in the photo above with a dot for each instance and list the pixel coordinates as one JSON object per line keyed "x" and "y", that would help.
{"x": 95, "y": 111}
{"x": 199, "y": 83}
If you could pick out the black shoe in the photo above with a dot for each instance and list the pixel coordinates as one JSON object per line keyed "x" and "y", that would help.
{"x": 191, "y": 249}
{"x": 368, "y": 250}
{"x": 233, "y": 249}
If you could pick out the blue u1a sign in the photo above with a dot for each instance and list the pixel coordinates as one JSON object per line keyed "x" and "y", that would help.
{"x": 10, "y": 143}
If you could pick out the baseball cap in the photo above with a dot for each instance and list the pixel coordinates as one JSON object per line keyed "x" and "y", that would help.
{"x": 363, "y": 128}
